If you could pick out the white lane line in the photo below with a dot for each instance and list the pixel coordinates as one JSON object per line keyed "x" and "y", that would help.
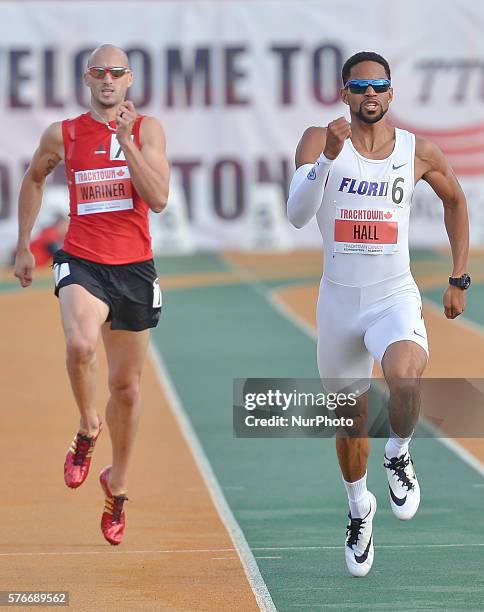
{"x": 285, "y": 311}
{"x": 236, "y": 534}
{"x": 461, "y": 320}
{"x": 226, "y": 550}
{"x": 340, "y": 546}
{"x": 269, "y": 296}
{"x": 464, "y": 454}
{"x": 118, "y": 552}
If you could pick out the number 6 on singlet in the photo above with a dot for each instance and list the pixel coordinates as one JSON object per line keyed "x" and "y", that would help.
{"x": 396, "y": 190}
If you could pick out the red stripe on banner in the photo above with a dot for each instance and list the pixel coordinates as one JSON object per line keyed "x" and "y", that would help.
{"x": 461, "y": 145}
{"x": 468, "y": 170}
{"x": 472, "y": 150}
{"x": 470, "y": 130}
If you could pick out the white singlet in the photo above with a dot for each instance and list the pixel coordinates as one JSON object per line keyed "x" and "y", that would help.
{"x": 368, "y": 298}
{"x": 365, "y": 213}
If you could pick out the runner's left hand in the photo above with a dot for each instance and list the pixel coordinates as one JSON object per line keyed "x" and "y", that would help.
{"x": 454, "y": 302}
{"x": 125, "y": 120}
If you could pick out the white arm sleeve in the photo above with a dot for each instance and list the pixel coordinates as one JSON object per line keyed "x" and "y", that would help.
{"x": 306, "y": 191}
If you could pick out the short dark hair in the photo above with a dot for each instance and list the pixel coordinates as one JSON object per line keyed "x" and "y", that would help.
{"x": 363, "y": 56}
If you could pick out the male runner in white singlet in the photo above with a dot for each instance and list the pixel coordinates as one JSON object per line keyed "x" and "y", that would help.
{"x": 369, "y": 307}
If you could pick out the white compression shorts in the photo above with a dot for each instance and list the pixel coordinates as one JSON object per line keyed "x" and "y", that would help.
{"x": 357, "y": 324}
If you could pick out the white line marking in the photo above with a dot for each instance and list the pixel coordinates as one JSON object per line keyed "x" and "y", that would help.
{"x": 298, "y": 321}
{"x": 340, "y": 546}
{"x": 461, "y": 320}
{"x": 116, "y": 552}
{"x": 236, "y": 534}
{"x": 253, "y": 281}
{"x": 463, "y": 454}
{"x": 225, "y": 550}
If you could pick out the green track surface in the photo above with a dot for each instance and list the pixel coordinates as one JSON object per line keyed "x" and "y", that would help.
{"x": 286, "y": 494}
{"x": 198, "y": 264}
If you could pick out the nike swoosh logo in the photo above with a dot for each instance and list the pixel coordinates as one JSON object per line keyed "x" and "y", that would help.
{"x": 417, "y": 334}
{"x": 397, "y": 500}
{"x": 362, "y": 558}
{"x": 400, "y": 166}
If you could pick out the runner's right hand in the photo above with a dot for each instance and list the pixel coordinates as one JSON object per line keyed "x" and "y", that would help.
{"x": 24, "y": 267}
{"x": 336, "y": 134}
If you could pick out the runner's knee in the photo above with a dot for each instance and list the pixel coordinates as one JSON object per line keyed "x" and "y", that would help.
{"x": 124, "y": 391}
{"x": 404, "y": 388}
{"x": 402, "y": 375}
{"x": 80, "y": 350}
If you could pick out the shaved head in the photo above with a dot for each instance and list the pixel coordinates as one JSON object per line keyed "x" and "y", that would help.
{"x": 107, "y": 91}
{"x": 108, "y": 55}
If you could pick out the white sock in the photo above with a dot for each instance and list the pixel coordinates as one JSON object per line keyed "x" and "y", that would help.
{"x": 396, "y": 446}
{"x": 358, "y": 497}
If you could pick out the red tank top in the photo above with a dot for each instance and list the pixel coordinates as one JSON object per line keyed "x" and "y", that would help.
{"x": 108, "y": 219}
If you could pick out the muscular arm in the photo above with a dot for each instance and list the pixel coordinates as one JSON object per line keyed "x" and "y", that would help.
{"x": 49, "y": 153}
{"x": 433, "y": 167}
{"x": 149, "y": 167}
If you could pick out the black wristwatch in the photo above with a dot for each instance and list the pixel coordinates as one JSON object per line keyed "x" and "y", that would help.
{"x": 463, "y": 282}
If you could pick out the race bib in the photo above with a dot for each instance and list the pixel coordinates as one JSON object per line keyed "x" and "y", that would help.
{"x": 103, "y": 190}
{"x": 364, "y": 231}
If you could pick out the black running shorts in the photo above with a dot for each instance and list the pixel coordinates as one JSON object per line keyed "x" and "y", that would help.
{"x": 131, "y": 291}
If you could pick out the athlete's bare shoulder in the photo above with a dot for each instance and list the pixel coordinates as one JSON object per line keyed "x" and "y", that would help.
{"x": 153, "y": 146}
{"x": 52, "y": 138}
{"x": 310, "y": 146}
{"x": 428, "y": 157}
{"x": 150, "y": 129}
{"x": 48, "y": 154}
{"x": 425, "y": 148}
{"x": 432, "y": 166}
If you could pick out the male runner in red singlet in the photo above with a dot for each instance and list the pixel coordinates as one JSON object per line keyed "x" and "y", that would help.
{"x": 105, "y": 278}
{"x": 358, "y": 179}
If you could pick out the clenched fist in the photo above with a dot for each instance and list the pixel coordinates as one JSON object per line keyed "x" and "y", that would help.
{"x": 454, "y": 302}
{"x": 336, "y": 134}
{"x": 125, "y": 120}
